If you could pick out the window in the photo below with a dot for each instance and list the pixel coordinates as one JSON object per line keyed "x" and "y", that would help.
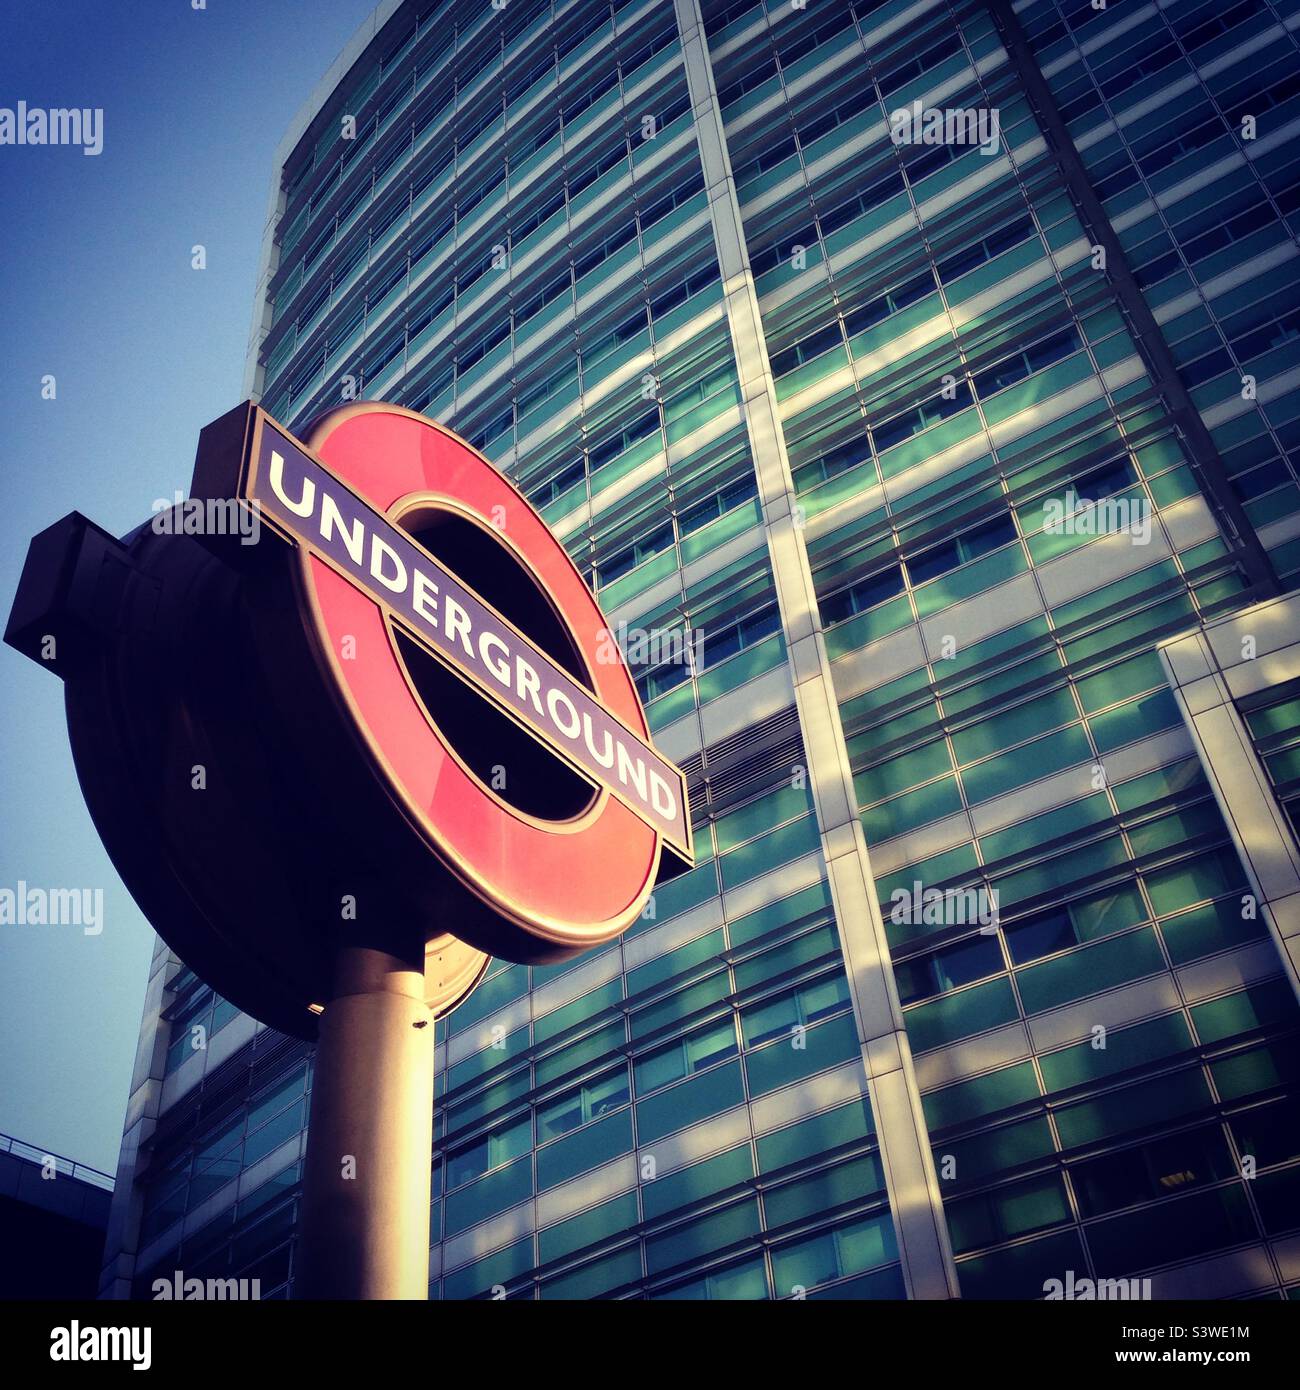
{"x": 525, "y": 225}
{"x": 1269, "y": 1133}
{"x": 863, "y": 594}
{"x": 578, "y": 1107}
{"x": 555, "y": 290}
{"x": 504, "y": 1143}
{"x": 621, "y": 333}
{"x": 384, "y": 355}
{"x": 880, "y": 308}
{"x": 1199, "y": 1223}
{"x": 717, "y": 19}
{"x": 790, "y": 51}
{"x": 1032, "y": 359}
{"x": 1085, "y": 919}
{"x": 979, "y": 252}
{"x": 629, "y": 559}
{"x": 575, "y": 104}
{"x": 805, "y": 1006}
{"x": 817, "y": 121}
{"x": 970, "y": 545}
{"x": 218, "y": 1160}
{"x": 921, "y": 417}
{"x": 604, "y": 248}
{"x": 764, "y": 69}
{"x": 1103, "y": 481}
{"x": 1152, "y": 55}
{"x": 433, "y": 390}
{"x": 993, "y": 1217}
{"x": 662, "y": 679}
{"x": 688, "y": 1055}
{"x": 920, "y": 162}
{"x": 704, "y": 388}
{"x": 580, "y": 179}
{"x": 679, "y": 293}
{"x": 693, "y": 518}
{"x": 610, "y": 448}
{"x": 812, "y": 346}
{"x": 923, "y": 62}
{"x": 317, "y": 303}
{"x": 1275, "y": 728}
{"x": 1284, "y": 329}
{"x": 773, "y": 153}
{"x": 422, "y": 249}
{"x": 1207, "y": 25}
{"x": 1158, "y": 1169}
{"x": 925, "y": 976}
{"x": 341, "y": 332}
{"x": 165, "y": 1197}
{"x": 647, "y": 45}
{"x": 832, "y": 463}
{"x": 222, "y": 1153}
{"x": 476, "y": 351}
{"x": 681, "y": 193}
{"x": 544, "y": 390}
{"x": 740, "y": 636}
{"x": 781, "y": 252}
{"x": 317, "y": 249}
{"x": 204, "y": 1011}
{"x": 879, "y": 191}
{"x": 1040, "y": 935}
{"x": 559, "y": 484}
{"x": 745, "y": 1282}
{"x": 548, "y": 132}
{"x": 498, "y": 424}
{"x": 856, "y": 1246}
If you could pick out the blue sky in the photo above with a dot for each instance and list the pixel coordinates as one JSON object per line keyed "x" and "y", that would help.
{"x": 97, "y": 289}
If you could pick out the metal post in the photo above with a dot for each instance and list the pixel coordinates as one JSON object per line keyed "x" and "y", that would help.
{"x": 365, "y": 1217}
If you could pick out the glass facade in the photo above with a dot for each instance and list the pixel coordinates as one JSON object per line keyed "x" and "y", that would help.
{"x": 817, "y": 401}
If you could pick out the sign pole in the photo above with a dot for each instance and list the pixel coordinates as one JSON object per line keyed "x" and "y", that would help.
{"x": 365, "y": 1216}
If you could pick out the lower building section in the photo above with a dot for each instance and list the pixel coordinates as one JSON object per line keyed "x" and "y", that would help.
{"x": 1238, "y": 688}
{"x": 1108, "y": 1080}
{"x": 53, "y": 1213}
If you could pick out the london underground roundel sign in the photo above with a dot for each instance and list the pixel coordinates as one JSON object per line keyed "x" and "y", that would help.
{"x": 399, "y": 711}
{"x": 388, "y": 514}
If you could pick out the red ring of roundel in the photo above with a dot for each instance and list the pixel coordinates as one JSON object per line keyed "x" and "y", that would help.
{"x": 586, "y": 880}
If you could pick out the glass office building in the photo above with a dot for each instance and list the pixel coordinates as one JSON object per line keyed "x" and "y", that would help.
{"x": 946, "y": 450}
